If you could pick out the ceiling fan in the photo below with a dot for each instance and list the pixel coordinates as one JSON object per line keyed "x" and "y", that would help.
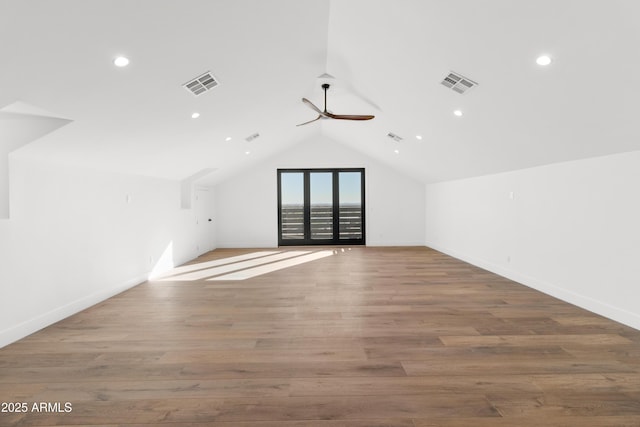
{"x": 327, "y": 115}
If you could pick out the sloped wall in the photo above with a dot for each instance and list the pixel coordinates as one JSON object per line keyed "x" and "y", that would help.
{"x": 247, "y": 214}
{"x": 18, "y": 128}
{"x": 570, "y": 229}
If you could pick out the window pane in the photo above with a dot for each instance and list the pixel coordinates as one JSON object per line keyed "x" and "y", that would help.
{"x": 321, "y": 197}
{"x": 350, "y": 205}
{"x": 292, "y": 198}
{"x": 321, "y": 207}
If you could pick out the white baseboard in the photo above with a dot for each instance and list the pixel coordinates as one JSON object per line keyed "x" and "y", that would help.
{"x": 247, "y": 245}
{"x": 377, "y": 243}
{"x": 599, "y": 307}
{"x": 30, "y": 326}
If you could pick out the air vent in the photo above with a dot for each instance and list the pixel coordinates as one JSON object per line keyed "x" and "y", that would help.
{"x": 201, "y": 84}
{"x": 394, "y": 137}
{"x": 252, "y": 137}
{"x": 458, "y": 83}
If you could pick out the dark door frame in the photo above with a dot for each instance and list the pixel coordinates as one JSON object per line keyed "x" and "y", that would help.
{"x": 307, "y": 240}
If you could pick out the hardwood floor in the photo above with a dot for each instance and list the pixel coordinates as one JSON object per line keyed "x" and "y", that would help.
{"x": 367, "y": 337}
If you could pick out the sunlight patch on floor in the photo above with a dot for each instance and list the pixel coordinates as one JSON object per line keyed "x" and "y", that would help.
{"x": 214, "y": 263}
{"x": 268, "y": 268}
{"x": 244, "y": 266}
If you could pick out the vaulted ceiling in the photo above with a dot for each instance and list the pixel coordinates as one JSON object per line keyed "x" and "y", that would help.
{"x": 388, "y": 58}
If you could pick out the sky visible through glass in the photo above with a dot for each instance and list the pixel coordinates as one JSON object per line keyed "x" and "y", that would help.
{"x": 321, "y": 188}
{"x": 292, "y": 187}
{"x": 349, "y": 188}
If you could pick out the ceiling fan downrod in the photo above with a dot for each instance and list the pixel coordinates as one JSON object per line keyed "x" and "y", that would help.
{"x": 325, "y": 86}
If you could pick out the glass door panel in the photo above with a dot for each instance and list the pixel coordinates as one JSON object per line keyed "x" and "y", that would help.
{"x": 292, "y": 205}
{"x": 350, "y": 205}
{"x": 321, "y": 205}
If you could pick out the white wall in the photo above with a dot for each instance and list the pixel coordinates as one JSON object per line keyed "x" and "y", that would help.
{"x": 571, "y": 229}
{"x": 16, "y": 130}
{"x": 76, "y": 237}
{"x": 247, "y": 214}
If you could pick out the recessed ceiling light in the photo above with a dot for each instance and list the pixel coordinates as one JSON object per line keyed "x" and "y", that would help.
{"x": 195, "y": 115}
{"x": 419, "y": 137}
{"x": 121, "y": 61}
{"x": 228, "y": 139}
{"x": 543, "y": 60}
{"x": 457, "y": 113}
{"x": 247, "y": 152}
{"x": 396, "y": 151}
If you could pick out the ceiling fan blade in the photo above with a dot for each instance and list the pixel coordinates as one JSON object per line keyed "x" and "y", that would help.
{"x": 324, "y": 114}
{"x": 349, "y": 116}
{"x": 313, "y": 107}
{"x": 311, "y": 121}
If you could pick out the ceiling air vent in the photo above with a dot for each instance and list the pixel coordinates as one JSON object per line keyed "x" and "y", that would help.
{"x": 252, "y": 137}
{"x": 458, "y": 82}
{"x": 201, "y": 84}
{"x": 394, "y": 137}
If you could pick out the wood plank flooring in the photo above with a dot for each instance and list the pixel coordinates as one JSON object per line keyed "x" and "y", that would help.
{"x": 404, "y": 337}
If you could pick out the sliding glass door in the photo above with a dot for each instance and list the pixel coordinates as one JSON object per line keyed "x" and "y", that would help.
{"x": 321, "y": 206}
{"x": 351, "y": 201}
{"x": 291, "y": 206}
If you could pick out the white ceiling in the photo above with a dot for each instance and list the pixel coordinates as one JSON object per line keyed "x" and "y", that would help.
{"x": 388, "y": 58}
